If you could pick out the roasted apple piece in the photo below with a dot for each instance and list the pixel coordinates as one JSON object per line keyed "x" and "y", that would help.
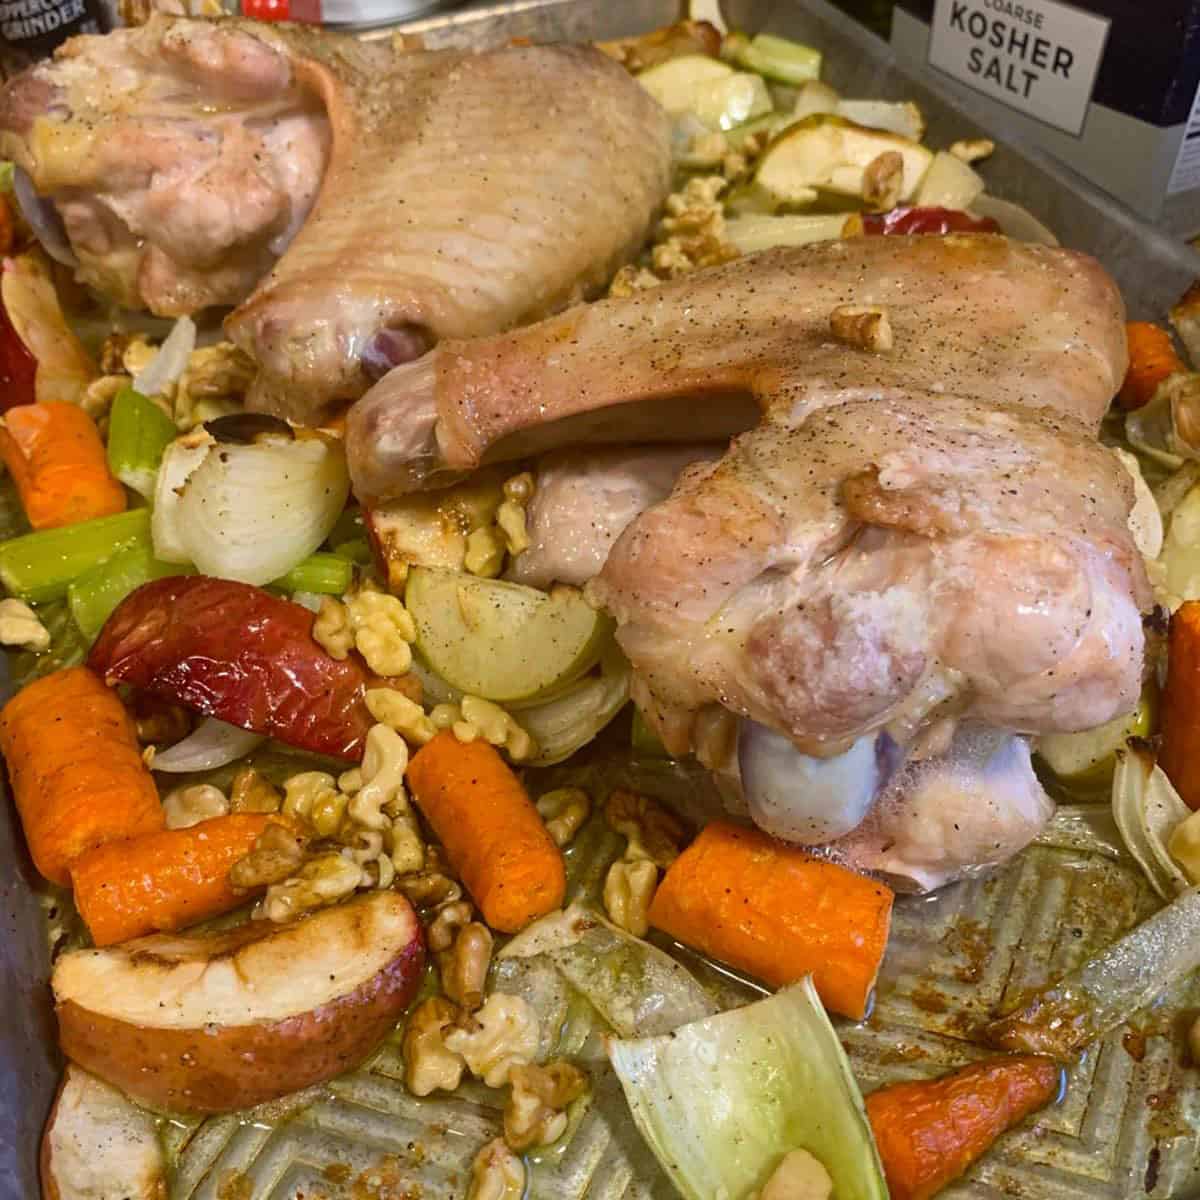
{"x": 227, "y": 1020}
{"x": 237, "y": 652}
{"x": 99, "y": 1145}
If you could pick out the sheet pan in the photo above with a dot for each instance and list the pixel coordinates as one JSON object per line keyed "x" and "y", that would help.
{"x": 1130, "y": 1124}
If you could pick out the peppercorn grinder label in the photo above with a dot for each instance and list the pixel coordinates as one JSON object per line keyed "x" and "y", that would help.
{"x": 1037, "y": 56}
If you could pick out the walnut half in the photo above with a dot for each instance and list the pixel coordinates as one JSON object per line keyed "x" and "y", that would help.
{"x": 864, "y": 326}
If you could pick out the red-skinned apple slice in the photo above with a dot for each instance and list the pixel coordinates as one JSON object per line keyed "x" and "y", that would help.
{"x": 236, "y": 652}
{"x": 99, "y": 1145}
{"x": 228, "y": 1020}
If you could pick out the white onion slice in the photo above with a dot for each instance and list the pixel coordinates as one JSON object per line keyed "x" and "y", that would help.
{"x": 179, "y": 460}
{"x": 1146, "y": 808}
{"x": 252, "y": 512}
{"x": 211, "y": 744}
{"x": 43, "y": 219}
{"x": 169, "y": 363}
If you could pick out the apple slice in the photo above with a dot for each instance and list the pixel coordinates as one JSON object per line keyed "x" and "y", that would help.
{"x": 228, "y": 1020}
{"x": 825, "y": 153}
{"x": 98, "y": 1145}
{"x": 503, "y": 641}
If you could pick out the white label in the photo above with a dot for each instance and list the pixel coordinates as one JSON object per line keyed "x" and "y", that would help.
{"x": 1037, "y": 56}
{"x": 1187, "y": 163}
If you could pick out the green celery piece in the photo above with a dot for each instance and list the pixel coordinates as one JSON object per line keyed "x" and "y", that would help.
{"x": 357, "y": 550}
{"x": 138, "y": 433}
{"x": 93, "y": 596}
{"x": 39, "y": 566}
{"x": 6, "y": 176}
{"x": 327, "y": 574}
{"x": 774, "y": 57}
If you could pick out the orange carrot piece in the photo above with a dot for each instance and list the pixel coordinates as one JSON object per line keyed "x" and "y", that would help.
{"x": 1152, "y": 358}
{"x": 929, "y": 1132}
{"x": 77, "y": 773}
{"x": 56, "y": 457}
{"x": 492, "y": 833}
{"x": 775, "y": 912}
{"x": 164, "y": 881}
{"x": 1179, "y": 754}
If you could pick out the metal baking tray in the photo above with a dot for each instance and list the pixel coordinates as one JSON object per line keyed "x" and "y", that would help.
{"x": 1130, "y": 1125}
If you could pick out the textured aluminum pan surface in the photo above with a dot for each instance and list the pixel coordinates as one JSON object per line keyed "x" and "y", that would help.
{"x": 1130, "y": 1125}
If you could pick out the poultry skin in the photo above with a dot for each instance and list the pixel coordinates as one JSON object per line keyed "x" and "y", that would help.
{"x": 698, "y": 358}
{"x": 906, "y": 533}
{"x": 356, "y": 202}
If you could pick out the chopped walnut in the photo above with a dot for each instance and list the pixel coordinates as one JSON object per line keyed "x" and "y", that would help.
{"x": 332, "y": 630}
{"x": 971, "y": 150}
{"x": 564, "y": 810}
{"x": 653, "y": 832}
{"x": 213, "y": 382}
{"x": 429, "y": 889}
{"x": 628, "y": 890}
{"x": 383, "y": 631}
{"x": 20, "y": 626}
{"x": 428, "y": 1064}
{"x": 451, "y": 917}
{"x": 323, "y": 879}
{"x": 496, "y": 1174}
{"x": 799, "y": 1176}
{"x": 864, "y": 326}
{"x": 405, "y": 846}
{"x": 277, "y": 852}
{"x": 883, "y": 181}
{"x": 510, "y": 516}
{"x": 497, "y": 727}
{"x": 485, "y": 552}
{"x": 112, "y": 352}
{"x": 184, "y": 807}
{"x": 632, "y": 279}
{"x": 503, "y": 1034}
{"x": 398, "y": 712}
{"x": 253, "y": 793}
{"x": 464, "y": 967}
{"x": 98, "y": 396}
{"x": 384, "y": 763}
{"x": 312, "y": 797}
{"x": 535, "y": 1114}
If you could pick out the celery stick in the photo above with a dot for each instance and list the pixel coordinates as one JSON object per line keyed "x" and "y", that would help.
{"x": 357, "y": 550}
{"x": 328, "y": 574}
{"x": 93, "y": 596}
{"x": 774, "y": 57}
{"x": 138, "y": 433}
{"x": 39, "y": 566}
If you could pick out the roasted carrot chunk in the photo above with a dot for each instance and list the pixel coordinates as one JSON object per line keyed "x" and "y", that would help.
{"x": 777, "y": 913}
{"x": 163, "y": 881}
{"x": 76, "y": 769}
{"x": 1152, "y": 359}
{"x": 57, "y": 460}
{"x": 492, "y": 833}
{"x": 929, "y": 1132}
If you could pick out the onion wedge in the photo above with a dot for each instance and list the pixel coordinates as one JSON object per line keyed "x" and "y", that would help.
{"x": 1107, "y": 989}
{"x": 211, "y": 744}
